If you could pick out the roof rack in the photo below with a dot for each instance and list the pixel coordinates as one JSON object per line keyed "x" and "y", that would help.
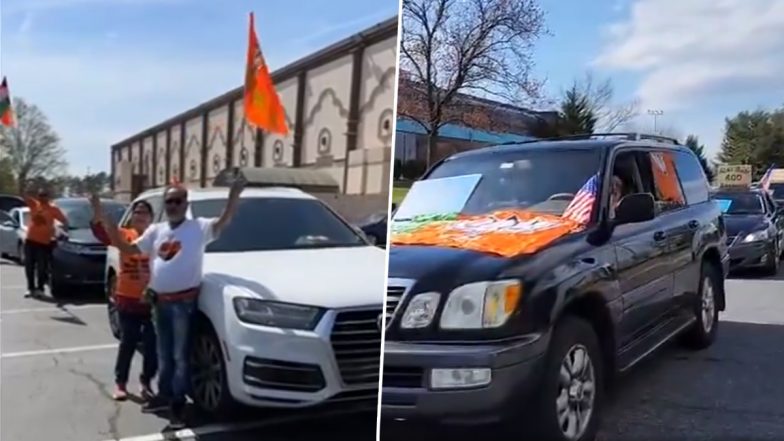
{"x": 629, "y": 136}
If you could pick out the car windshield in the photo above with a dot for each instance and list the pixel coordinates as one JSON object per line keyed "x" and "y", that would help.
{"x": 543, "y": 181}
{"x": 79, "y": 213}
{"x": 740, "y": 203}
{"x": 778, "y": 190}
{"x": 266, "y": 224}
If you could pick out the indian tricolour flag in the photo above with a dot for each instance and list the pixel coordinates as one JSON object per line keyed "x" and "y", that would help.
{"x": 6, "y": 115}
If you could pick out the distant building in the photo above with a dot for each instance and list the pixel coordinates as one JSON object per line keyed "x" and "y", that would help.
{"x": 478, "y": 122}
{"x": 339, "y": 109}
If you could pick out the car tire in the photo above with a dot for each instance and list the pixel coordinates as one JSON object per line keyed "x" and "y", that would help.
{"x": 703, "y": 333}
{"x": 209, "y": 388}
{"x": 573, "y": 340}
{"x": 20, "y": 252}
{"x": 111, "y": 309}
{"x": 773, "y": 263}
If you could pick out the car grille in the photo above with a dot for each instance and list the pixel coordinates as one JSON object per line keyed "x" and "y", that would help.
{"x": 394, "y": 296}
{"x": 282, "y": 375}
{"x": 356, "y": 341}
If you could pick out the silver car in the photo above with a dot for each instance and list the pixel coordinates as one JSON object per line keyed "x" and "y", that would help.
{"x": 13, "y": 230}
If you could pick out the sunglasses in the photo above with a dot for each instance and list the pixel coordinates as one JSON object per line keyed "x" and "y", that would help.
{"x": 175, "y": 201}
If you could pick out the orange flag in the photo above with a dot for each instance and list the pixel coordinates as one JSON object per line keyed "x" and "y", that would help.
{"x": 262, "y": 103}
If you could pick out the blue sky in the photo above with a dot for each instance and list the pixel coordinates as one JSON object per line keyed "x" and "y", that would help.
{"x": 103, "y": 70}
{"x": 698, "y": 61}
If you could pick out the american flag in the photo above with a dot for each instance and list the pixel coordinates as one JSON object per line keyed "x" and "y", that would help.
{"x": 580, "y": 208}
{"x": 764, "y": 183}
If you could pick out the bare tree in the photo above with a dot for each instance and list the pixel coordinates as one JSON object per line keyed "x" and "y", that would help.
{"x": 32, "y": 146}
{"x": 599, "y": 94}
{"x": 452, "y": 46}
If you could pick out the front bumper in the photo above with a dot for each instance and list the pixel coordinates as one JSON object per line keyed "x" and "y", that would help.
{"x": 750, "y": 255}
{"x": 276, "y": 367}
{"x": 515, "y": 368}
{"x": 78, "y": 269}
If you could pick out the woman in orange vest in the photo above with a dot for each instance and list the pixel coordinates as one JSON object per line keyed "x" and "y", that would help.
{"x": 134, "y": 313}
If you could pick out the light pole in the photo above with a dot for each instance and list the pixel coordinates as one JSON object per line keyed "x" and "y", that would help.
{"x": 656, "y": 113}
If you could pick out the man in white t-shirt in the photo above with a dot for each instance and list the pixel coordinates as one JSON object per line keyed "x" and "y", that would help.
{"x": 176, "y": 251}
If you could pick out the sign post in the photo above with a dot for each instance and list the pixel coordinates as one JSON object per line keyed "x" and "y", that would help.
{"x": 733, "y": 175}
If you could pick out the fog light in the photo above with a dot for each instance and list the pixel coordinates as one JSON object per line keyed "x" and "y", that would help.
{"x": 459, "y": 378}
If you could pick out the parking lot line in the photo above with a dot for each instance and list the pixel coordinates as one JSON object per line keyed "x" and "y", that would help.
{"x": 50, "y": 309}
{"x": 58, "y": 351}
{"x": 211, "y": 429}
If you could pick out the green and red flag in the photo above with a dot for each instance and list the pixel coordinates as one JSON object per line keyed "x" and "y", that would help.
{"x": 6, "y": 114}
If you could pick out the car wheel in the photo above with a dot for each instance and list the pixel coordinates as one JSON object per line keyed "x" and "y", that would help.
{"x": 20, "y": 251}
{"x": 209, "y": 386}
{"x": 111, "y": 308}
{"x": 772, "y": 268}
{"x": 703, "y": 333}
{"x": 569, "y": 399}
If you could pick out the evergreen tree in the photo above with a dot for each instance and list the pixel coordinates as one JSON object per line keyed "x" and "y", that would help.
{"x": 693, "y": 143}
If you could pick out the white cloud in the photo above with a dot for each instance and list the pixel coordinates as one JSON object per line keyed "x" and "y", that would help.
{"x": 687, "y": 50}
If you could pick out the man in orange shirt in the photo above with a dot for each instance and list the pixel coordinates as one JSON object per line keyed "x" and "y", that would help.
{"x": 127, "y": 292}
{"x": 38, "y": 243}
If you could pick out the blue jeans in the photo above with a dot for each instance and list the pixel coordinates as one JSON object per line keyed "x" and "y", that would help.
{"x": 173, "y": 323}
{"x": 136, "y": 327}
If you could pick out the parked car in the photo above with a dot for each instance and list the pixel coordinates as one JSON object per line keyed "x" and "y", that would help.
{"x": 755, "y": 228}
{"x": 13, "y": 230}
{"x": 9, "y": 202}
{"x": 504, "y": 312}
{"x": 290, "y": 308}
{"x": 79, "y": 258}
{"x": 375, "y": 228}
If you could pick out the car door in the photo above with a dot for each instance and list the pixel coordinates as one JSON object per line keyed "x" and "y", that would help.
{"x": 7, "y": 231}
{"x": 690, "y": 222}
{"x": 642, "y": 254}
{"x": 776, "y": 217}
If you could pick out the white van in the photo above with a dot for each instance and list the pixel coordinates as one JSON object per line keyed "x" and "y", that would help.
{"x": 290, "y": 305}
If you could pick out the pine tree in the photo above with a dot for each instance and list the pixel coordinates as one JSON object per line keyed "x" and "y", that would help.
{"x": 693, "y": 143}
{"x": 576, "y": 116}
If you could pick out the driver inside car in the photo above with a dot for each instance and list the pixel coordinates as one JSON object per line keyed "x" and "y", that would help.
{"x": 616, "y": 193}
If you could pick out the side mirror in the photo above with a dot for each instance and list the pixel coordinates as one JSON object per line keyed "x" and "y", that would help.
{"x": 634, "y": 208}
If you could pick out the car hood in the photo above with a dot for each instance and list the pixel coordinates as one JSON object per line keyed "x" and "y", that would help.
{"x": 433, "y": 266}
{"x": 325, "y": 277}
{"x": 737, "y": 224}
{"x": 82, "y": 236}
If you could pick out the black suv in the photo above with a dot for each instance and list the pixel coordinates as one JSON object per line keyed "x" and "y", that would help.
{"x": 527, "y": 341}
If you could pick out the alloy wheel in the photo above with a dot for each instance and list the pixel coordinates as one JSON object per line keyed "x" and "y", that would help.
{"x": 206, "y": 372}
{"x": 708, "y": 305}
{"x": 576, "y": 392}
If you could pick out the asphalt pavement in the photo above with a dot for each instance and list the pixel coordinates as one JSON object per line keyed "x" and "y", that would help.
{"x": 56, "y": 379}
{"x": 734, "y": 390}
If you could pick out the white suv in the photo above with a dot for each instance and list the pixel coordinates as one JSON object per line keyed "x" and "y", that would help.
{"x": 290, "y": 305}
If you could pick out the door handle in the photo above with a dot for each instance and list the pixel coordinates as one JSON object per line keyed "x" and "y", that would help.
{"x": 693, "y": 224}
{"x": 659, "y": 236}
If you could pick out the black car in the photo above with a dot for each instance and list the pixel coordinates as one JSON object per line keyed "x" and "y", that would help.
{"x": 777, "y": 190}
{"x": 79, "y": 258}
{"x": 375, "y": 228}
{"x": 755, "y": 228}
{"x": 8, "y": 202}
{"x": 528, "y": 342}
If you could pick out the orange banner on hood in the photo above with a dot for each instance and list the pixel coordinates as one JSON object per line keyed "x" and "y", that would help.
{"x": 506, "y": 233}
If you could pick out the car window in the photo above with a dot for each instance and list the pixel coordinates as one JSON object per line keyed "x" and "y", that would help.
{"x": 692, "y": 177}
{"x": 537, "y": 180}
{"x": 659, "y": 169}
{"x": 740, "y": 202}
{"x": 265, "y": 224}
{"x": 769, "y": 204}
{"x": 79, "y": 212}
{"x": 5, "y": 217}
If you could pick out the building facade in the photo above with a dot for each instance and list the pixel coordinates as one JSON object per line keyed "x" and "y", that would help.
{"x": 473, "y": 122}
{"x": 339, "y": 107}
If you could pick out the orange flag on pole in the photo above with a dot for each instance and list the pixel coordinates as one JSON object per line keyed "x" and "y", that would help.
{"x": 262, "y": 103}
{"x": 6, "y": 113}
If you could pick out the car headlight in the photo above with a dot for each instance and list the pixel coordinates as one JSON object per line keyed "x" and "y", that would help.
{"x": 277, "y": 314}
{"x": 481, "y": 305}
{"x": 756, "y": 236}
{"x": 420, "y": 310}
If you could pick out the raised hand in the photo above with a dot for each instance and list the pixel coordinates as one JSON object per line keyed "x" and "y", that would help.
{"x": 95, "y": 202}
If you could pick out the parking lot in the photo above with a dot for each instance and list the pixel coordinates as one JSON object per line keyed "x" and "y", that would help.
{"x": 732, "y": 391}
{"x": 57, "y": 377}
